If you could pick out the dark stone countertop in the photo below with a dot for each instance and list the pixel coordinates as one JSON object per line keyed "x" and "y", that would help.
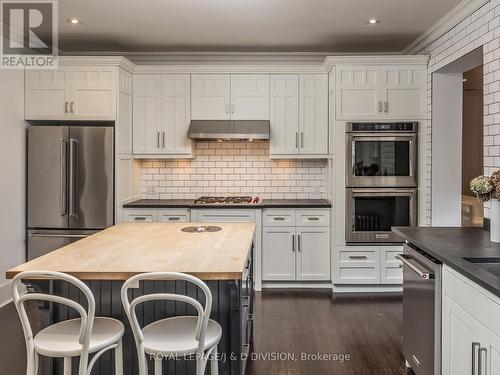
{"x": 266, "y": 203}
{"x": 297, "y": 203}
{"x": 451, "y": 245}
{"x": 160, "y": 203}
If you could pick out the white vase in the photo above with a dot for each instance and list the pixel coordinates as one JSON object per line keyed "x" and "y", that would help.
{"x": 495, "y": 220}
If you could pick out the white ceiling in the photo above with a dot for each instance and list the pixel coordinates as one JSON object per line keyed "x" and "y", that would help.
{"x": 246, "y": 25}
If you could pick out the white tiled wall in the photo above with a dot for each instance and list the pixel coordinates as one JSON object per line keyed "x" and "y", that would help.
{"x": 233, "y": 168}
{"x": 482, "y": 28}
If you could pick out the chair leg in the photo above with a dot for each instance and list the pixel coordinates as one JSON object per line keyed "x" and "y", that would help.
{"x": 214, "y": 363}
{"x": 37, "y": 363}
{"x": 158, "y": 367}
{"x": 31, "y": 364}
{"x": 119, "y": 358}
{"x": 67, "y": 365}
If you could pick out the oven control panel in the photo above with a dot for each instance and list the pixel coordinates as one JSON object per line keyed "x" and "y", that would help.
{"x": 382, "y": 127}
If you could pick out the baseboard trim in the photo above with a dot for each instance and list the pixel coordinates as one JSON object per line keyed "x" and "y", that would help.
{"x": 296, "y": 285}
{"x": 5, "y": 297}
{"x": 367, "y": 289}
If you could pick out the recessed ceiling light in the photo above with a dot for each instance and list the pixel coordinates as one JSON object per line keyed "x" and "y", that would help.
{"x": 74, "y": 21}
{"x": 373, "y": 21}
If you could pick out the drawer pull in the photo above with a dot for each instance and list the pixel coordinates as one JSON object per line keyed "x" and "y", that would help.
{"x": 174, "y": 218}
{"x": 139, "y": 218}
{"x": 358, "y": 257}
{"x": 313, "y": 218}
{"x": 279, "y": 219}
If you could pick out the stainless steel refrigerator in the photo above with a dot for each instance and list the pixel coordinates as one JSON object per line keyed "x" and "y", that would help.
{"x": 70, "y": 177}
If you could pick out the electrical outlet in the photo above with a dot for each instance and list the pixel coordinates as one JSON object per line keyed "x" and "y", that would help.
{"x": 317, "y": 190}
{"x": 150, "y": 189}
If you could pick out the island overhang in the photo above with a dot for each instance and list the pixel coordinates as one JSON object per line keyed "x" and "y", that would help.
{"x": 124, "y": 250}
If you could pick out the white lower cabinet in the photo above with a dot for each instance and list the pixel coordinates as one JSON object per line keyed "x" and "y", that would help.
{"x": 182, "y": 215}
{"x": 471, "y": 328}
{"x": 223, "y": 215}
{"x": 313, "y": 253}
{"x": 291, "y": 253}
{"x": 369, "y": 265}
{"x": 140, "y": 215}
{"x": 278, "y": 249}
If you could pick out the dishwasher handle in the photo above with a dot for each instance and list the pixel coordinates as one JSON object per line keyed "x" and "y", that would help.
{"x": 406, "y": 260}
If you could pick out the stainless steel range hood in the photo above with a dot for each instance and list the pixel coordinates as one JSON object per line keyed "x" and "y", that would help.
{"x": 229, "y": 129}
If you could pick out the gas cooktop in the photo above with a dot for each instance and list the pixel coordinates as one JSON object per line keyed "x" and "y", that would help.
{"x": 243, "y": 200}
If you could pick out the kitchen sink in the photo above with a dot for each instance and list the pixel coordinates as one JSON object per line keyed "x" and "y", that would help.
{"x": 489, "y": 264}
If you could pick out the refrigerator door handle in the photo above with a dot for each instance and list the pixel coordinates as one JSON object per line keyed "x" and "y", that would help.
{"x": 73, "y": 143}
{"x": 63, "y": 180}
{"x": 59, "y": 235}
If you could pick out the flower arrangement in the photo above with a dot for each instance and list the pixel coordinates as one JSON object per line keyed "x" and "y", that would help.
{"x": 486, "y": 188}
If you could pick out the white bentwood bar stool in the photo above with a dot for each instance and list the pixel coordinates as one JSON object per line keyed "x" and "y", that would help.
{"x": 70, "y": 338}
{"x": 175, "y": 336}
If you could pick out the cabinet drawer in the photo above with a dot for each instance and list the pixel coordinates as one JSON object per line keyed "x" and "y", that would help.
{"x": 223, "y": 216}
{"x": 278, "y": 218}
{"x": 359, "y": 257}
{"x": 389, "y": 256}
{"x": 140, "y": 215}
{"x": 320, "y": 218}
{"x": 174, "y": 216}
{"x": 357, "y": 265}
{"x": 358, "y": 275}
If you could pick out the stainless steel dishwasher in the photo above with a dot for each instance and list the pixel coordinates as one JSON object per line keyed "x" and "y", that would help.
{"x": 421, "y": 311}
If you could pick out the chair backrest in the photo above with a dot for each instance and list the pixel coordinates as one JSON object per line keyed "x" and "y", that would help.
{"x": 130, "y": 306}
{"x": 87, "y": 315}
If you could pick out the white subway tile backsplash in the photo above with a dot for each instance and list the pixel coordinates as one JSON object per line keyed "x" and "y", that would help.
{"x": 234, "y": 168}
{"x": 481, "y": 28}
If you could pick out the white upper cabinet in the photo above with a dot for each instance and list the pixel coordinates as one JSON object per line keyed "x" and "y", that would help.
{"x": 358, "y": 92}
{"x": 284, "y": 111}
{"x": 403, "y": 92}
{"x": 374, "y": 93}
{"x": 210, "y": 96}
{"x": 249, "y": 97}
{"x": 230, "y": 96}
{"x": 147, "y": 114}
{"x": 176, "y": 114}
{"x": 46, "y": 94}
{"x": 313, "y": 111}
{"x": 93, "y": 93}
{"x": 162, "y": 114}
{"x": 299, "y": 115}
{"x": 71, "y": 93}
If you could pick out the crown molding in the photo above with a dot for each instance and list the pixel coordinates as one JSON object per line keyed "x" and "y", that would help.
{"x": 445, "y": 24}
{"x": 119, "y": 61}
{"x": 381, "y": 60}
{"x": 230, "y": 68}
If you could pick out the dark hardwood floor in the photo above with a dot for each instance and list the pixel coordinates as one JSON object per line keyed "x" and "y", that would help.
{"x": 367, "y": 327}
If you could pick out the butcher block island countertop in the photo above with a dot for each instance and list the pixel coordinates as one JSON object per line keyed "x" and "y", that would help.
{"x": 124, "y": 250}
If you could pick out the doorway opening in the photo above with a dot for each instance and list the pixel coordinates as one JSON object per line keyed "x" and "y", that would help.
{"x": 472, "y": 145}
{"x": 457, "y": 141}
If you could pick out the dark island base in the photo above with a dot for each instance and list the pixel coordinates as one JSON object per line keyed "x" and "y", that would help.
{"x": 231, "y": 308}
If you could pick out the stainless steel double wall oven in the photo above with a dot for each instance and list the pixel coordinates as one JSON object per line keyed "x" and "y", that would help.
{"x": 381, "y": 180}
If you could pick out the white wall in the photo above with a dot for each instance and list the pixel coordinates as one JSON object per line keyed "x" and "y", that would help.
{"x": 12, "y": 174}
{"x": 447, "y": 150}
{"x": 480, "y": 29}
